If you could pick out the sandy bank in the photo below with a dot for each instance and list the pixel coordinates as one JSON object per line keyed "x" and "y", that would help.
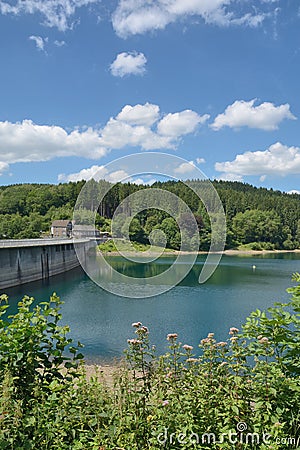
{"x": 101, "y": 371}
{"x": 225, "y": 252}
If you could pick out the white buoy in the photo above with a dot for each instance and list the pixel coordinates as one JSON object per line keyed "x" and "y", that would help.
{"x": 253, "y": 267}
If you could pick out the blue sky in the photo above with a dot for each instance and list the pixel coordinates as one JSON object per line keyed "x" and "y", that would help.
{"x": 84, "y": 82}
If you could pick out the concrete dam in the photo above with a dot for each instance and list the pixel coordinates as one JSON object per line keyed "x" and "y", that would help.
{"x": 23, "y": 261}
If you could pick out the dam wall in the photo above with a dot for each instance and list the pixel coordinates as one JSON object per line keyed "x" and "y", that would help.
{"x": 23, "y": 261}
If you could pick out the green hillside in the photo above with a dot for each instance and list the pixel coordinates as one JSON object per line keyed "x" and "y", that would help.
{"x": 256, "y": 217}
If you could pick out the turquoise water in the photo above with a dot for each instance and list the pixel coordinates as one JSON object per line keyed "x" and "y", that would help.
{"x": 102, "y": 321}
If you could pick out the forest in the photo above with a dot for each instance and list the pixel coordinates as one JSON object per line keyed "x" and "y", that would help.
{"x": 257, "y": 218}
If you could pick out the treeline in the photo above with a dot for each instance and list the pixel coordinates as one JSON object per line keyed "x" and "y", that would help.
{"x": 257, "y": 218}
{"x": 27, "y": 210}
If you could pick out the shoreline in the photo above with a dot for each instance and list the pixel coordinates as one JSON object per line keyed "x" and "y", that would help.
{"x": 258, "y": 252}
{"x": 229, "y": 252}
{"x": 105, "y": 372}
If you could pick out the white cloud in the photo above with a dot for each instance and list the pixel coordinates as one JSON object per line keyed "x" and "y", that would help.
{"x": 96, "y": 172}
{"x": 128, "y": 63}
{"x": 230, "y": 177}
{"x": 265, "y": 116}
{"x": 200, "y": 160}
{"x": 84, "y": 174}
{"x": 27, "y": 142}
{"x": 184, "y": 168}
{"x": 60, "y": 43}
{"x": 294, "y": 191}
{"x": 133, "y": 126}
{"x": 277, "y": 160}
{"x": 39, "y": 42}
{"x": 138, "y": 16}
{"x": 180, "y": 123}
{"x": 117, "y": 134}
{"x": 55, "y": 13}
{"x": 117, "y": 176}
{"x": 140, "y": 181}
{"x": 146, "y": 114}
{"x": 101, "y": 173}
{"x": 3, "y": 167}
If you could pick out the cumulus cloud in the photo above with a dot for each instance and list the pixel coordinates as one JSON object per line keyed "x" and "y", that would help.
{"x": 265, "y": 116}
{"x": 277, "y": 160}
{"x": 180, "y": 123}
{"x": 55, "y": 13}
{"x": 117, "y": 134}
{"x": 138, "y": 16}
{"x": 128, "y": 63}
{"x": 39, "y": 42}
{"x": 230, "y": 177}
{"x": 136, "y": 125}
{"x": 146, "y": 114}
{"x": 186, "y": 167}
{"x": 26, "y": 142}
{"x": 96, "y": 172}
{"x": 147, "y": 182}
{"x": 101, "y": 172}
{"x": 84, "y": 174}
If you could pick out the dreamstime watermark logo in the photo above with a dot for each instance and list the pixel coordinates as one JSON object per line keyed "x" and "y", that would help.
{"x": 239, "y": 436}
{"x": 161, "y": 167}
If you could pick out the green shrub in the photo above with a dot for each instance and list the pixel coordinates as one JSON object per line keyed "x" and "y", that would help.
{"x": 32, "y": 345}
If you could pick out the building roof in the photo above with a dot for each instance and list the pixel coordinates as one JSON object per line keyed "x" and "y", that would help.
{"x": 60, "y": 223}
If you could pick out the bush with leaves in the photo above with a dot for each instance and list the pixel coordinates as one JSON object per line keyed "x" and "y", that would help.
{"x": 33, "y": 366}
{"x": 32, "y": 346}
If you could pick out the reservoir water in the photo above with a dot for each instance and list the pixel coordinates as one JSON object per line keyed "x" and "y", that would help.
{"x": 102, "y": 321}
